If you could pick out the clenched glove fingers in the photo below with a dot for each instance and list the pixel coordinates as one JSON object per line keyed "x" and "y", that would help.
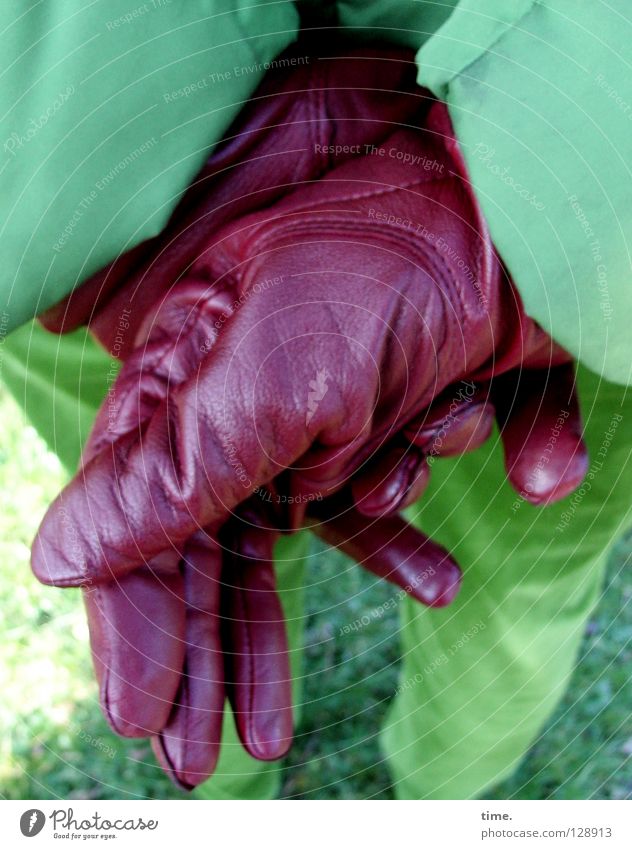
{"x": 539, "y": 422}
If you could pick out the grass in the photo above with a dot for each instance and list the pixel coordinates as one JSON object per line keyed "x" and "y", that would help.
{"x": 54, "y": 742}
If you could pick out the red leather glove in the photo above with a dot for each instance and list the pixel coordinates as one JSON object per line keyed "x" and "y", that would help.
{"x": 156, "y": 633}
{"x": 431, "y": 281}
{"x": 295, "y": 128}
{"x": 328, "y": 282}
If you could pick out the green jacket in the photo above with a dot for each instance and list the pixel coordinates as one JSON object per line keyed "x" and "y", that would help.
{"x": 109, "y": 108}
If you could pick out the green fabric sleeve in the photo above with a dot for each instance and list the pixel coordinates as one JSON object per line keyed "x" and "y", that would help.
{"x": 480, "y": 677}
{"x": 107, "y": 111}
{"x": 540, "y": 94}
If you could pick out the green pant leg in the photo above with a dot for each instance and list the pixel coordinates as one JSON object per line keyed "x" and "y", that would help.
{"x": 60, "y": 382}
{"x": 480, "y": 677}
{"x": 238, "y": 776}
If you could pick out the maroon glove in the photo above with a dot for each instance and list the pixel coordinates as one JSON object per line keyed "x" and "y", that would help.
{"x": 330, "y": 287}
{"x": 295, "y": 128}
{"x": 156, "y": 633}
{"x": 438, "y": 328}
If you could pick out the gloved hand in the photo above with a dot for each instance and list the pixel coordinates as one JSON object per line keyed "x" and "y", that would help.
{"x": 333, "y": 291}
{"x": 157, "y": 634}
{"x": 297, "y": 126}
{"x": 398, "y": 445}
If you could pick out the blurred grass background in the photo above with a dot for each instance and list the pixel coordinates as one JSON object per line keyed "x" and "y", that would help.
{"x": 54, "y": 743}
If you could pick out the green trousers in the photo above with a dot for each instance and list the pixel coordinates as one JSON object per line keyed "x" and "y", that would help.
{"x": 479, "y": 678}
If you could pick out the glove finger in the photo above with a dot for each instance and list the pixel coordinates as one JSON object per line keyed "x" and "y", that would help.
{"x": 391, "y": 482}
{"x": 541, "y": 429}
{"x": 258, "y": 676}
{"x": 396, "y": 551}
{"x": 137, "y": 639}
{"x": 188, "y": 746}
{"x": 266, "y": 151}
{"x": 460, "y": 421}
